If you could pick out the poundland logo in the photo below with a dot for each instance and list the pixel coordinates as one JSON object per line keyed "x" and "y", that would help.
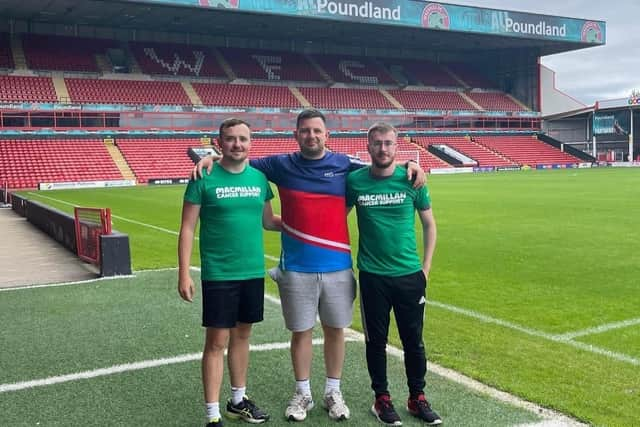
{"x": 540, "y": 28}
{"x": 364, "y": 10}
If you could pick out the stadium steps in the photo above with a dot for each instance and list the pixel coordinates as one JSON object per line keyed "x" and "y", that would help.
{"x": 104, "y": 65}
{"x": 471, "y": 101}
{"x": 391, "y": 99}
{"x": 517, "y": 101}
{"x": 119, "y": 160}
{"x": 19, "y": 60}
{"x": 300, "y": 97}
{"x": 191, "y": 93}
{"x": 62, "y": 93}
{"x": 319, "y": 69}
{"x": 455, "y": 77}
{"x": 224, "y": 64}
{"x": 134, "y": 67}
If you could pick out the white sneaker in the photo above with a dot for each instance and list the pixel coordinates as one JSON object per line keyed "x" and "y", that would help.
{"x": 334, "y": 404}
{"x": 298, "y": 407}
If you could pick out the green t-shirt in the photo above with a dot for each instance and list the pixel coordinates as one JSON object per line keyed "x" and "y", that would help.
{"x": 386, "y": 209}
{"x": 231, "y": 205}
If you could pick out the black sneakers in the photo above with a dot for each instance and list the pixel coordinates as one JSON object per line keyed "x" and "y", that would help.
{"x": 419, "y": 407}
{"x": 385, "y": 413}
{"x": 247, "y": 411}
{"x": 216, "y": 422}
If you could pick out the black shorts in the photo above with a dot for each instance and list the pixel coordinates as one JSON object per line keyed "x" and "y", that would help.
{"x": 225, "y": 303}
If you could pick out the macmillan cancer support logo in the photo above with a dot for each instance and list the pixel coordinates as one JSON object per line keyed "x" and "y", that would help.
{"x": 435, "y": 16}
{"x": 591, "y": 32}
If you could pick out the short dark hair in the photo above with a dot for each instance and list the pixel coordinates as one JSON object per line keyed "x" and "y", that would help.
{"x": 382, "y": 128}
{"x": 229, "y": 123}
{"x": 309, "y": 113}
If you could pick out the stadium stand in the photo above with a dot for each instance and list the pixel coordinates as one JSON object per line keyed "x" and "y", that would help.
{"x": 525, "y": 150}
{"x": 245, "y": 95}
{"x": 346, "y": 98}
{"x": 261, "y": 147}
{"x": 26, "y": 163}
{"x": 481, "y": 154}
{"x": 176, "y": 59}
{"x": 430, "y": 100}
{"x": 157, "y": 157}
{"x": 425, "y": 73}
{"x": 270, "y": 65}
{"x": 494, "y": 101}
{"x": 355, "y": 70}
{"x": 6, "y": 57}
{"x": 27, "y": 89}
{"x": 102, "y": 91}
{"x": 469, "y": 75}
{"x": 45, "y": 52}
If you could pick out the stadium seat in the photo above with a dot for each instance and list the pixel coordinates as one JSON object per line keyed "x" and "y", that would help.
{"x": 245, "y": 95}
{"x": 525, "y": 150}
{"x": 355, "y": 70}
{"x": 494, "y": 101}
{"x": 6, "y": 57}
{"x": 343, "y": 98}
{"x": 26, "y": 163}
{"x": 254, "y": 64}
{"x": 481, "y": 154}
{"x": 176, "y": 59}
{"x": 431, "y": 100}
{"x": 27, "y": 89}
{"x": 158, "y": 157}
{"x": 99, "y": 91}
{"x": 46, "y": 52}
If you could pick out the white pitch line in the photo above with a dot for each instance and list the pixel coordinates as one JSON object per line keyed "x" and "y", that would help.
{"x": 602, "y": 328}
{"x": 116, "y": 369}
{"x": 555, "y": 338}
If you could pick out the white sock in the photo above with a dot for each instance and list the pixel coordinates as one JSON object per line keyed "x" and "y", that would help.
{"x": 213, "y": 411}
{"x": 303, "y": 387}
{"x": 237, "y": 394}
{"x": 332, "y": 384}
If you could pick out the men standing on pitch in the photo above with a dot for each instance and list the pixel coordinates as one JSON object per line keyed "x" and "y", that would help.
{"x": 233, "y": 204}
{"x": 314, "y": 275}
{"x": 391, "y": 274}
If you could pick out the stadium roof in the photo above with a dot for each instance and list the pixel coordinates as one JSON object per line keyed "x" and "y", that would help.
{"x": 190, "y": 19}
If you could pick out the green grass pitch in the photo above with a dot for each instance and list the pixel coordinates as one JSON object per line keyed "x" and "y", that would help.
{"x": 528, "y": 266}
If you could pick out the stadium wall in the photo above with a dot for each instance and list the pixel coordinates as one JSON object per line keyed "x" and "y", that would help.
{"x": 554, "y": 101}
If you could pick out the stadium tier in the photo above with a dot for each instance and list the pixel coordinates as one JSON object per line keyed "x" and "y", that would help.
{"x": 423, "y": 73}
{"x": 481, "y": 154}
{"x": 354, "y": 70}
{"x": 44, "y": 52}
{"x": 494, "y": 101}
{"x": 102, "y": 91}
{"x": 176, "y": 59}
{"x": 525, "y": 150}
{"x": 26, "y": 163}
{"x": 256, "y": 64}
{"x": 346, "y": 98}
{"x": 158, "y": 158}
{"x": 261, "y": 147}
{"x": 27, "y": 89}
{"x": 431, "y": 100}
{"x": 469, "y": 75}
{"x": 245, "y": 95}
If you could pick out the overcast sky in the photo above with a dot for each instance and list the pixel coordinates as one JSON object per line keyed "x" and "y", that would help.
{"x": 597, "y": 73}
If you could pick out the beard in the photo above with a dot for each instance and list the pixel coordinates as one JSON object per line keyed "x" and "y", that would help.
{"x": 312, "y": 152}
{"x": 382, "y": 162}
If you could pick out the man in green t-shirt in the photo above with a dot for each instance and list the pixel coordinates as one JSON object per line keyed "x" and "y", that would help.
{"x": 391, "y": 274}
{"x": 233, "y": 203}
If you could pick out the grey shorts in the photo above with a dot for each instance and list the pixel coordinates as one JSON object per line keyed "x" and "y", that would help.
{"x": 305, "y": 295}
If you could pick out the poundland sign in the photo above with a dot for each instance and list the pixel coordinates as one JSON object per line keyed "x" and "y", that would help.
{"x": 421, "y": 14}
{"x": 359, "y": 10}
